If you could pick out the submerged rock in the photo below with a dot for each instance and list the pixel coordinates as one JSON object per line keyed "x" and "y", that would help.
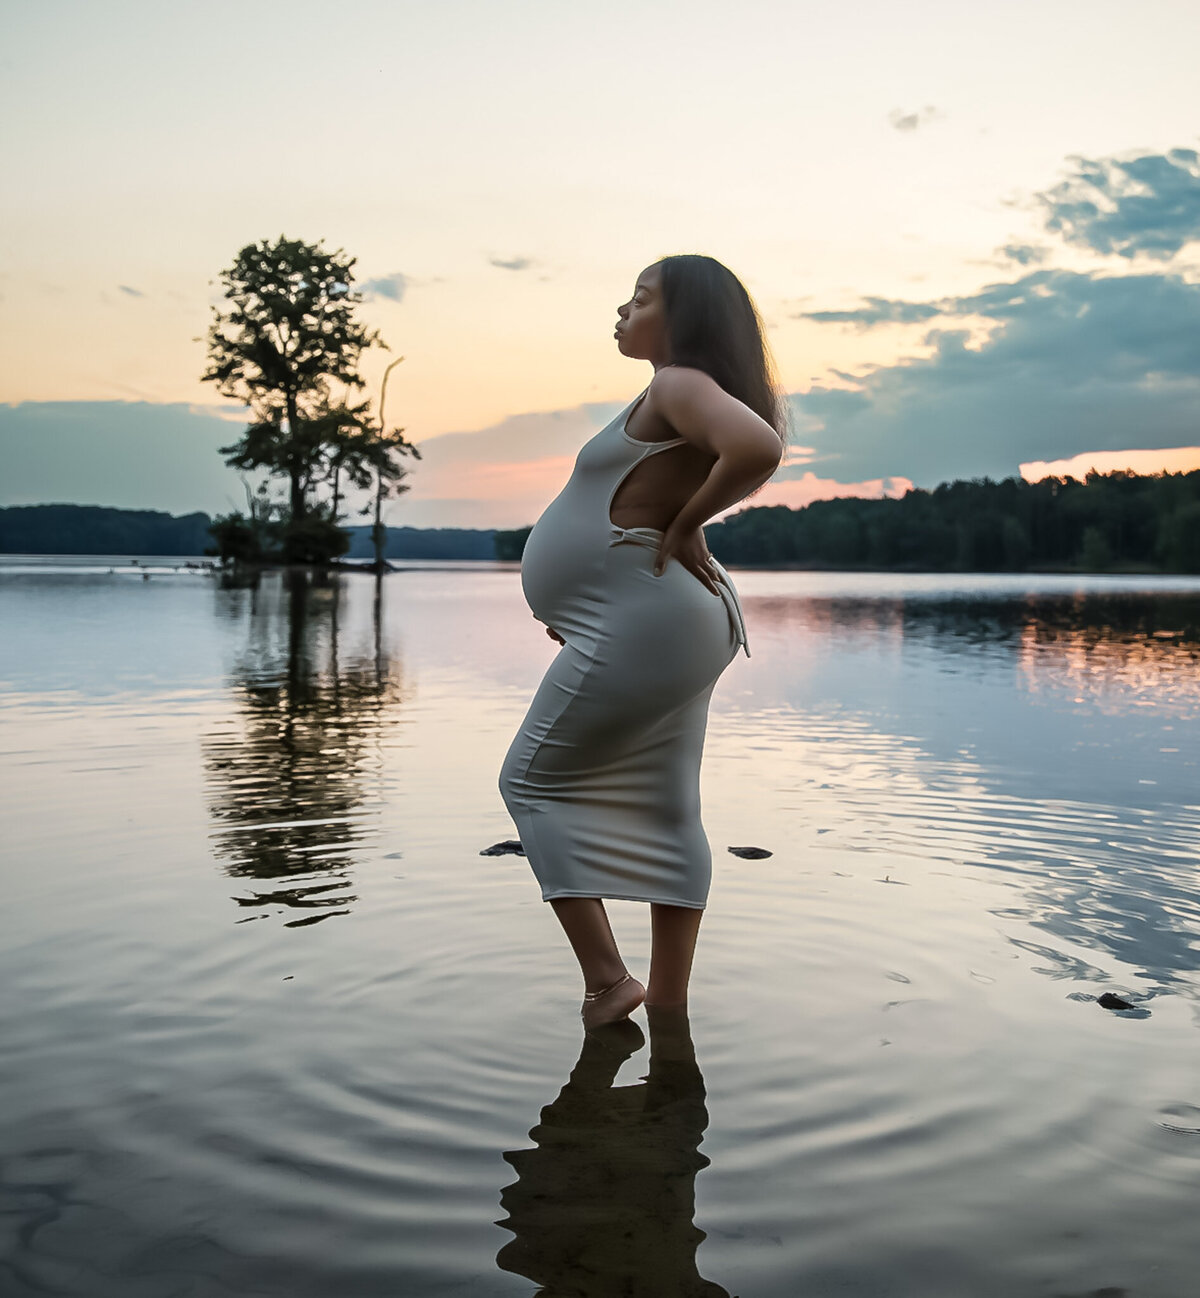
{"x": 751, "y": 853}
{"x": 510, "y": 847}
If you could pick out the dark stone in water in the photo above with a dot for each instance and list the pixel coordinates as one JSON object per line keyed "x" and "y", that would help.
{"x": 1111, "y": 1002}
{"x": 751, "y": 853}
{"x": 1108, "y": 1292}
{"x": 510, "y": 847}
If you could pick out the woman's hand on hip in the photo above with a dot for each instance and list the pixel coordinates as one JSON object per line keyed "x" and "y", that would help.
{"x": 691, "y": 549}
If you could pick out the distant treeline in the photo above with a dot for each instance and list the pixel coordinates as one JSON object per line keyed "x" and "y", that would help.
{"x": 425, "y": 543}
{"x": 1114, "y": 520}
{"x": 1110, "y": 521}
{"x": 94, "y": 529}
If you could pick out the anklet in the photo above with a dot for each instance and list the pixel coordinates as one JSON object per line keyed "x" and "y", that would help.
{"x": 595, "y": 996}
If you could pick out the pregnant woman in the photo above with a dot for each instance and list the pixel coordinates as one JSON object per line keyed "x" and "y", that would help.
{"x": 603, "y": 778}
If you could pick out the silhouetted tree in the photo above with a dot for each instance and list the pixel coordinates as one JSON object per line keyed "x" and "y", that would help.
{"x": 288, "y": 334}
{"x": 234, "y": 539}
{"x": 247, "y": 538}
{"x": 376, "y": 459}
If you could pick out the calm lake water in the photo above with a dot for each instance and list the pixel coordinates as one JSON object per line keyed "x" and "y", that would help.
{"x": 272, "y": 1025}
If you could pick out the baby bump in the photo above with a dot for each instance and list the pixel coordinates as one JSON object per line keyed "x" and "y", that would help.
{"x": 558, "y": 567}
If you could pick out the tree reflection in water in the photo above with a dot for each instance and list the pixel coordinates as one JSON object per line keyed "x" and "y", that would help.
{"x": 604, "y": 1204}
{"x": 289, "y": 772}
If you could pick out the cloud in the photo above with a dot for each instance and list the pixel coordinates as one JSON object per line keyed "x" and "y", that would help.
{"x": 500, "y": 476}
{"x": 795, "y": 493}
{"x": 511, "y": 263}
{"x": 1025, "y": 254}
{"x": 905, "y": 121}
{"x": 127, "y": 454}
{"x": 1071, "y": 362}
{"x": 1175, "y": 459}
{"x": 392, "y": 287}
{"x": 1046, "y": 366}
{"x": 878, "y": 310}
{"x": 1148, "y": 204}
{"x": 133, "y": 292}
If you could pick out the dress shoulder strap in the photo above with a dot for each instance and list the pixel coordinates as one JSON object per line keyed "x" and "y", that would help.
{"x": 652, "y": 446}
{"x": 666, "y": 445}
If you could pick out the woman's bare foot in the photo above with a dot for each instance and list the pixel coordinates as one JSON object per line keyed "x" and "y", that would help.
{"x": 613, "y": 1003}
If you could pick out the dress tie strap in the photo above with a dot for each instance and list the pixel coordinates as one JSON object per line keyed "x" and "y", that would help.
{"x": 650, "y": 537}
{"x": 732, "y": 604}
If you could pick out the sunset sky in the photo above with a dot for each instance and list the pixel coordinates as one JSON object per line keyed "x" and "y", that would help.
{"x": 973, "y": 231}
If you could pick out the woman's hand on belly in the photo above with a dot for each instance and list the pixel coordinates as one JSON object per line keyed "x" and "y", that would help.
{"x": 553, "y": 634}
{"x": 691, "y": 549}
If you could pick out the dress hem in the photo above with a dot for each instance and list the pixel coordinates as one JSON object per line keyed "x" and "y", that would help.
{"x": 625, "y": 896}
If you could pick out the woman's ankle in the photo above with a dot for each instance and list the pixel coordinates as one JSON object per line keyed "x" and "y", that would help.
{"x": 609, "y": 1004}
{"x": 601, "y": 982}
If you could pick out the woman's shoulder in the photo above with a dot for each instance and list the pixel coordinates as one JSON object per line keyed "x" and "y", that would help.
{"x": 695, "y": 406}
{"x": 680, "y": 390}
{"x": 684, "y": 380}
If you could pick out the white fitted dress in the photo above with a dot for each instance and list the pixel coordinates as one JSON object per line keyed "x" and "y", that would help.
{"x": 603, "y": 778}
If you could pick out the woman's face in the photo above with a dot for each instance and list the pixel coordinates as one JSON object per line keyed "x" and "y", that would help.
{"x": 641, "y": 332}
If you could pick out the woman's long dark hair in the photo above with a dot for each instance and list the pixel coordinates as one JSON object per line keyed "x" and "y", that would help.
{"x": 712, "y": 325}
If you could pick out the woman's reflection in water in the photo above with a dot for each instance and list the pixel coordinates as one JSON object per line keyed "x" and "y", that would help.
{"x": 603, "y": 1206}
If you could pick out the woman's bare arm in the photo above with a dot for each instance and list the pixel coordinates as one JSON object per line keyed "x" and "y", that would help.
{"x": 746, "y": 448}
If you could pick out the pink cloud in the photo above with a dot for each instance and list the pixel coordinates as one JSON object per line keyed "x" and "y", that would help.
{"x": 491, "y": 480}
{"x": 1179, "y": 459}
{"x": 798, "y": 492}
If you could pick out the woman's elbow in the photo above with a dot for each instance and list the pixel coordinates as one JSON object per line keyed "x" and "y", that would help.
{"x": 766, "y": 457}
